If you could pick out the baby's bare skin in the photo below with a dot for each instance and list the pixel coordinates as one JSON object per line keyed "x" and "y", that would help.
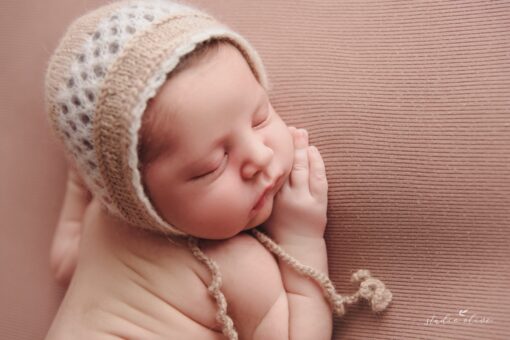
{"x": 132, "y": 284}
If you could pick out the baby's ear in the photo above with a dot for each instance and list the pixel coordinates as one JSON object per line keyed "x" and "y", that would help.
{"x": 75, "y": 177}
{"x": 71, "y": 163}
{"x": 77, "y": 185}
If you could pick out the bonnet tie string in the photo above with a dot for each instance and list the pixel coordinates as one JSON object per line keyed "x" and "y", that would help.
{"x": 370, "y": 288}
{"x": 214, "y": 289}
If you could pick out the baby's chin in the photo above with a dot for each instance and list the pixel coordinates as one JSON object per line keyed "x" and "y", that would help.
{"x": 254, "y": 220}
{"x": 217, "y": 234}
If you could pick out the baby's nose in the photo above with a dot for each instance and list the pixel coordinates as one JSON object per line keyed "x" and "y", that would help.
{"x": 258, "y": 158}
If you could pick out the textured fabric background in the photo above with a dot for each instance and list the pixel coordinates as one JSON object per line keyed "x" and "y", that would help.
{"x": 409, "y": 103}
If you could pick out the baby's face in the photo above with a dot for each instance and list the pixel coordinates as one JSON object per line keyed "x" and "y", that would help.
{"x": 221, "y": 147}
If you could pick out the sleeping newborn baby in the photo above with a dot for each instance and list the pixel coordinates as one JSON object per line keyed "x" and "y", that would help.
{"x": 176, "y": 156}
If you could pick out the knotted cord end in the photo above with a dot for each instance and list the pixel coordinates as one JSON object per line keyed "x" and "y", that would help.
{"x": 372, "y": 290}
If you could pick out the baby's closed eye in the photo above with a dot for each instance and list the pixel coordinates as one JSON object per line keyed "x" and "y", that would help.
{"x": 262, "y": 116}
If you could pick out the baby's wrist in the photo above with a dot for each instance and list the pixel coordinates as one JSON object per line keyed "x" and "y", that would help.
{"x": 285, "y": 237}
{"x": 310, "y": 250}
{"x": 303, "y": 247}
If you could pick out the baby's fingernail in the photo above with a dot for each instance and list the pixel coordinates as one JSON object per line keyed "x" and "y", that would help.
{"x": 301, "y": 138}
{"x": 304, "y": 135}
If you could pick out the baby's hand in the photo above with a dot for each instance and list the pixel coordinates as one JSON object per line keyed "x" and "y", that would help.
{"x": 300, "y": 206}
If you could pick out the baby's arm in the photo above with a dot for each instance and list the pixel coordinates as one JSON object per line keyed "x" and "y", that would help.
{"x": 297, "y": 224}
{"x": 65, "y": 246}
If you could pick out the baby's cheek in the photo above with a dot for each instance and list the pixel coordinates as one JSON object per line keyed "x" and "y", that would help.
{"x": 223, "y": 211}
{"x": 229, "y": 197}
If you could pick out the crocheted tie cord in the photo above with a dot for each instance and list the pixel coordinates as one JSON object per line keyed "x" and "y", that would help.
{"x": 370, "y": 288}
{"x": 226, "y": 322}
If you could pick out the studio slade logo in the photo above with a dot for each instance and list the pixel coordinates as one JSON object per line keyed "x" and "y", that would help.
{"x": 462, "y": 317}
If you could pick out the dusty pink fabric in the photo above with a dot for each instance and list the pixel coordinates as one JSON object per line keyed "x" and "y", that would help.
{"x": 408, "y": 102}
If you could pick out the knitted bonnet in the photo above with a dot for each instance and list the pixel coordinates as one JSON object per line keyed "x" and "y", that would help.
{"x": 108, "y": 64}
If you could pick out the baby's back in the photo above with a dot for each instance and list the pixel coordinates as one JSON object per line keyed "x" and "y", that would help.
{"x": 131, "y": 284}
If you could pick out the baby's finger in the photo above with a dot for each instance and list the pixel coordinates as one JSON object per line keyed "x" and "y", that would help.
{"x": 318, "y": 180}
{"x": 299, "y": 174}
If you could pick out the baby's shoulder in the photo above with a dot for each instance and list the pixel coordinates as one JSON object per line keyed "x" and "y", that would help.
{"x": 252, "y": 281}
{"x": 241, "y": 255}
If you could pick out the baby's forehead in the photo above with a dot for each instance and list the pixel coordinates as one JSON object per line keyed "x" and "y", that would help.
{"x": 204, "y": 97}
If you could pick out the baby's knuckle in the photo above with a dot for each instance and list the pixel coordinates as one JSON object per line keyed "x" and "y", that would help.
{"x": 299, "y": 167}
{"x": 320, "y": 176}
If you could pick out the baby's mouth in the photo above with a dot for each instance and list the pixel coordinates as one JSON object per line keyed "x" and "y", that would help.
{"x": 260, "y": 202}
{"x": 270, "y": 190}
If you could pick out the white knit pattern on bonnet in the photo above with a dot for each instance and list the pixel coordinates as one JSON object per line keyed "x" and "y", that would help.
{"x": 77, "y": 97}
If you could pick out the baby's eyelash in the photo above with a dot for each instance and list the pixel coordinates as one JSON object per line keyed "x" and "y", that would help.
{"x": 212, "y": 171}
{"x": 267, "y": 114}
{"x": 225, "y": 157}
